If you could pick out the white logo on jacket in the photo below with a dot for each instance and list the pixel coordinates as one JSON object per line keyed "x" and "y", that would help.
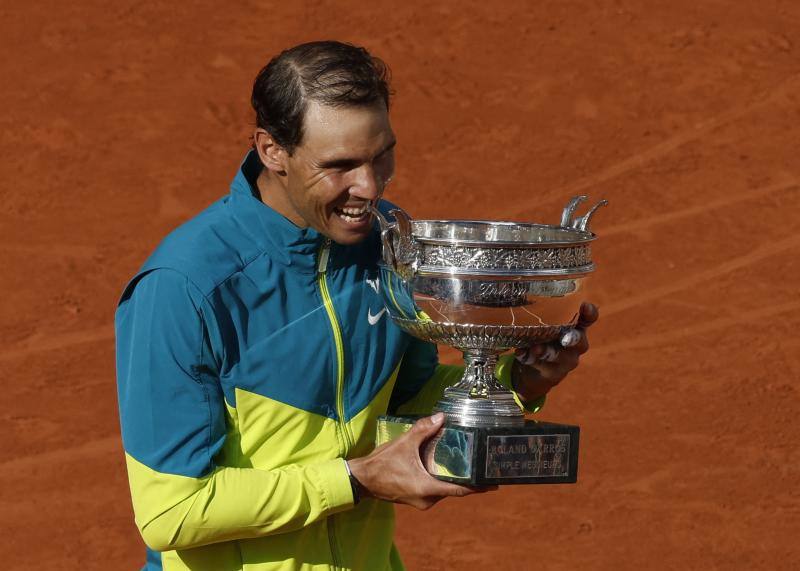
{"x": 373, "y": 319}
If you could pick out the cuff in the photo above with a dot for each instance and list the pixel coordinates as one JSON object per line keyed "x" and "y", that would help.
{"x": 335, "y": 484}
{"x": 503, "y": 374}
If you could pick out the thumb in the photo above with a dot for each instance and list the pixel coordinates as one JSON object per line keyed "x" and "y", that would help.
{"x": 426, "y": 427}
{"x": 588, "y": 314}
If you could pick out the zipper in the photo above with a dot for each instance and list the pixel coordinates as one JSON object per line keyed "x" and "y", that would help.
{"x": 322, "y": 268}
{"x": 394, "y": 299}
{"x": 333, "y": 544}
{"x": 327, "y": 301}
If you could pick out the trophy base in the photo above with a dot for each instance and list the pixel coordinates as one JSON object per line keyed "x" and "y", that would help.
{"x": 532, "y": 453}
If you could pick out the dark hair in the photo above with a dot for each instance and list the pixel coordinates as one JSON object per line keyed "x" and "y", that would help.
{"x": 331, "y": 73}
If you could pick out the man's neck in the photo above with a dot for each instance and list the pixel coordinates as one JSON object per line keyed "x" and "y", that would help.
{"x": 274, "y": 195}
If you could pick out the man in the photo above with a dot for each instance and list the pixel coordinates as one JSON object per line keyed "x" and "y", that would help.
{"x": 250, "y": 377}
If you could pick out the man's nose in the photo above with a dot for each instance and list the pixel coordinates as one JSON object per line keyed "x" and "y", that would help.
{"x": 365, "y": 183}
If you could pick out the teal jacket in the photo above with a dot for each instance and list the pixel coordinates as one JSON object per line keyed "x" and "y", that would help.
{"x": 250, "y": 364}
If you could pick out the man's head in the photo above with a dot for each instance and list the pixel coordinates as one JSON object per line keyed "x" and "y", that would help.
{"x": 324, "y": 137}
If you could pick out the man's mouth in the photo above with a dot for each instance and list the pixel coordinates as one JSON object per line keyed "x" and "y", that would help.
{"x": 353, "y": 214}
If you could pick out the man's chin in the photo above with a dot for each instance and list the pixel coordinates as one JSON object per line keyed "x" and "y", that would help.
{"x": 348, "y": 238}
{"x": 348, "y": 234}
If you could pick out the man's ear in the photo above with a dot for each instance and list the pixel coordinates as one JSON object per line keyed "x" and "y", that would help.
{"x": 272, "y": 155}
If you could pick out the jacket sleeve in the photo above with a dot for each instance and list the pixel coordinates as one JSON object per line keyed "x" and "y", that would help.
{"x": 172, "y": 413}
{"x": 421, "y": 380}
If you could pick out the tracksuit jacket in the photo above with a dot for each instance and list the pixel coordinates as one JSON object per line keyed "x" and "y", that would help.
{"x": 253, "y": 357}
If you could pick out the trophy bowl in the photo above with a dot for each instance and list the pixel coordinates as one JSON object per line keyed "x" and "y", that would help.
{"x": 485, "y": 287}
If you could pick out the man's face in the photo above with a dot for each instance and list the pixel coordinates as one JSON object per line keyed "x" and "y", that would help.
{"x": 343, "y": 163}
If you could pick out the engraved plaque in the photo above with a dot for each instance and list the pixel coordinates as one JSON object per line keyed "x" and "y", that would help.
{"x": 536, "y": 453}
{"x": 528, "y": 455}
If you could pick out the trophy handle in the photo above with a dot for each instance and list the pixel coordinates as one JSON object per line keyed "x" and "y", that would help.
{"x": 581, "y": 222}
{"x": 569, "y": 210}
{"x": 400, "y": 251}
{"x": 405, "y": 249}
{"x": 386, "y": 237}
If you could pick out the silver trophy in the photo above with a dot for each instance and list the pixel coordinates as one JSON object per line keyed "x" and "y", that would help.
{"x": 485, "y": 287}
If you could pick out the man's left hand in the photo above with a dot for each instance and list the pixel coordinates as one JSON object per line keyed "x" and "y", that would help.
{"x": 539, "y": 368}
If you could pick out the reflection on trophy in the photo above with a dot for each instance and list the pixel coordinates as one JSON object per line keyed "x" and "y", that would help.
{"x": 484, "y": 288}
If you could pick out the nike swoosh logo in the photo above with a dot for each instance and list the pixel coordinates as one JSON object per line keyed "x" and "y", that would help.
{"x": 373, "y": 319}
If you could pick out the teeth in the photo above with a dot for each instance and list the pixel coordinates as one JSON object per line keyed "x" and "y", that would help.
{"x": 354, "y": 211}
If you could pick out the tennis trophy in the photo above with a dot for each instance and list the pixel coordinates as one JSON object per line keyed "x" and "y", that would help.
{"x": 486, "y": 287}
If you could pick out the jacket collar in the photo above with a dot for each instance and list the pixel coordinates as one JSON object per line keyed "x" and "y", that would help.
{"x": 281, "y": 238}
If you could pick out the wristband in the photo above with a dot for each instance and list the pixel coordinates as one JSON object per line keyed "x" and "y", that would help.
{"x": 354, "y": 484}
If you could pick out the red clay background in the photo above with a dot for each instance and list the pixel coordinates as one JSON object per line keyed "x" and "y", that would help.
{"x": 120, "y": 120}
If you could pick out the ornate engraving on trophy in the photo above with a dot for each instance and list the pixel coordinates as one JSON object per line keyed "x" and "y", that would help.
{"x": 467, "y": 257}
{"x": 503, "y": 294}
{"x": 524, "y": 456}
{"x": 503, "y": 290}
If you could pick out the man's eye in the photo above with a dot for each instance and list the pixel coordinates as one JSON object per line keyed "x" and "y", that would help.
{"x": 342, "y": 166}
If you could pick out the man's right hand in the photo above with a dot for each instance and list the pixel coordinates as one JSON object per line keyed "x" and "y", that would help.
{"x": 394, "y": 471}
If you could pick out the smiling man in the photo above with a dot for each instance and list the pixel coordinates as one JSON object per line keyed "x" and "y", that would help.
{"x": 346, "y": 159}
{"x": 252, "y": 358}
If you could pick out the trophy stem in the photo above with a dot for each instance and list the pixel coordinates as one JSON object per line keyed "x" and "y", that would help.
{"x": 478, "y": 376}
{"x": 478, "y": 399}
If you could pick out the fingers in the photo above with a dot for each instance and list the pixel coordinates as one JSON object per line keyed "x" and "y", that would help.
{"x": 588, "y": 314}
{"x": 548, "y": 352}
{"x": 427, "y": 427}
{"x": 484, "y": 489}
{"x": 429, "y": 501}
{"x": 430, "y": 491}
{"x": 531, "y": 355}
{"x": 575, "y": 340}
{"x": 571, "y": 338}
{"x": 540, "y": 353}
{"x": 555, "y": 371}
{"x": 441, "y": 489}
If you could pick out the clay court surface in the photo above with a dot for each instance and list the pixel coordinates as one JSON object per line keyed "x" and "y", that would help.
{"x": 121, "y": 120}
